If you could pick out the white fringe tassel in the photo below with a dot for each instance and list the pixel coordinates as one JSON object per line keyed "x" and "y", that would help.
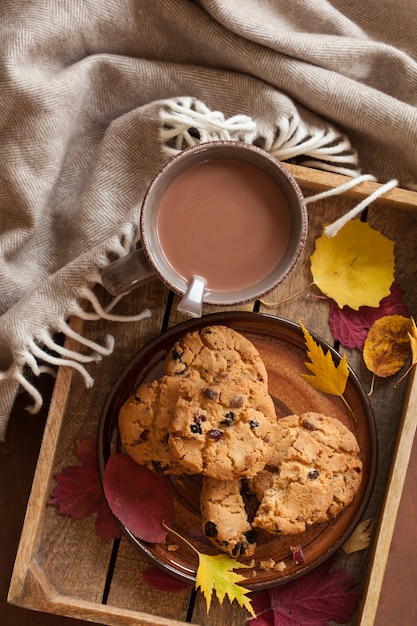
{"x": 340, "y": 189}
{"x": 69, "y": 358}
{"x": 188, "y": 122}
{"x": 59, "y": 361}
{"x": 101, "y": 313}
{"x": 31, "y": 390}
{"x": 332, "y": 229}
{"x": 185, "y": 114}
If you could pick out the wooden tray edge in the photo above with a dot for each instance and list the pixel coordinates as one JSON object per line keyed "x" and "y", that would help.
{"x": 45, "y": 599}
{"x": 383, "y": 537}
{"x": 39, "y": 492}
{"x": 318, "y": 180}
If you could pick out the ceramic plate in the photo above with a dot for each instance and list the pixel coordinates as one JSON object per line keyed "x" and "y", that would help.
{"x": 282, "y": 347}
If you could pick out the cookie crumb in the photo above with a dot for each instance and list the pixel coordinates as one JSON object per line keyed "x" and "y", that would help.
{"x": 173, "y": 547}
{"x": 280, "y": 567}
{"x": 267, "y": 565}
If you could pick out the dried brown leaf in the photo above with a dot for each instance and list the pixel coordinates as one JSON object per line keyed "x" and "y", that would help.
{"x": 360, "y": 538}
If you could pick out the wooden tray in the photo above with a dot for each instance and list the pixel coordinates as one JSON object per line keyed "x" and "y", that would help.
{"x": 63, "y": 567}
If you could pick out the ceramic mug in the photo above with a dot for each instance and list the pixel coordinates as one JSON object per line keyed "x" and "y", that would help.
{"x": 222, "y": 223}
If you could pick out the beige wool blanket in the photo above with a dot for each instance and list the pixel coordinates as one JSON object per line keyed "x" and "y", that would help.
{"x": 96, "y": 94}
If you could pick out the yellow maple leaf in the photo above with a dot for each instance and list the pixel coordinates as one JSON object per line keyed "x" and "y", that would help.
{"x": 354, "y": 268}
{"x": 387, "y": 345}
{"x": 360, "y": 538}
{"x": 326, "y": 377}
{"x": 215, "y": 573}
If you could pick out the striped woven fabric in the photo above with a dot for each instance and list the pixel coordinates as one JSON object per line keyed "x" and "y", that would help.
{"x": 96, "y": 95}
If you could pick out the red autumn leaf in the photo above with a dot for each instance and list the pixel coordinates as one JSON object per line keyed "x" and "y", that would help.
{"x": 138, "y": 498}
{"x": 78, "y": 492}
{"x": 87, "y": 452}
{"x": 106, "y": 527}
{"x": 160, "y": 580}
{"x": 311, "y": 600}
{"x": 351, "y": 327}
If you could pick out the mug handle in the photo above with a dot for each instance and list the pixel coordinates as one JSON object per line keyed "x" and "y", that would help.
{"x": 192, "y": 301}
{"x": 127, "y": 273}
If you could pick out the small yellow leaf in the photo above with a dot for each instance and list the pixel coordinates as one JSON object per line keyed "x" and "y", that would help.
{"x": 360, "y": 538}
{"x": 354, "y": 268}
{"x": 327, "y": 377}
{"x": 215, "y": 573}
{"x": 387, "y": 345}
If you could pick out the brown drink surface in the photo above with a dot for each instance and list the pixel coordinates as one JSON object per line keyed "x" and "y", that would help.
{"x": 225, "y": 220}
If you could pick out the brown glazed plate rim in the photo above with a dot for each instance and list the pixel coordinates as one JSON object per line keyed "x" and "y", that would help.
{"x": 277, "y": 339}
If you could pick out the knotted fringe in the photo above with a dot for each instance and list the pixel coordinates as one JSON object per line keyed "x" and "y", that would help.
{"x": 326, "y": 149}
{"x": 46, "y": 359}
{"x": 188, "y": 122}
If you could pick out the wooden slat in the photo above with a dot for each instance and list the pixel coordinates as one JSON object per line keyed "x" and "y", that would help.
{"x": 137, "y": 595}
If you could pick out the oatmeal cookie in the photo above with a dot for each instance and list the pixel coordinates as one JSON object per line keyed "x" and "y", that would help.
{"x": 224, "y": 430}
{"x": 299, "y": 491}
{"x": 143, "y": 425}
{"x": 214, "y": 352}
{"x": 224, "y": 520}
{"x": 343, "y": 451}
{"x": 314, "y": 473}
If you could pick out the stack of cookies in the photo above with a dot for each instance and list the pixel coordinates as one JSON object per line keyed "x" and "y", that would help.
{"x": 211, "y": 414}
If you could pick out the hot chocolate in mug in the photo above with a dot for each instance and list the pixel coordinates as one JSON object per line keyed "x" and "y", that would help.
{"x": 222, "y": 223}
